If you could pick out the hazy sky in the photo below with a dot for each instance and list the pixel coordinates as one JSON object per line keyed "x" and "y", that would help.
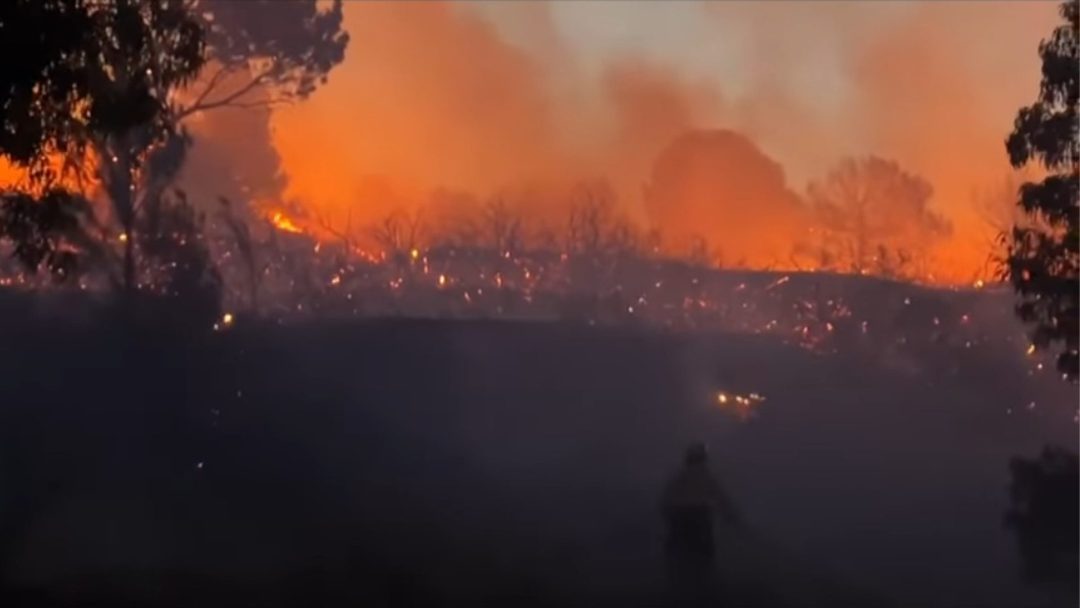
{"x": 479, "y": 96}
{"x": 808, "y": 50}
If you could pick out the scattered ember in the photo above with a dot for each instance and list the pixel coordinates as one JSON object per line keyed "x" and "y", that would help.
{"x": 739, "y": 405}
{"x": 225, "y": 322}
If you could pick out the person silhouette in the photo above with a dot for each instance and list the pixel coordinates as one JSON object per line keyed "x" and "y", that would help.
{"x": 691, "y": 502}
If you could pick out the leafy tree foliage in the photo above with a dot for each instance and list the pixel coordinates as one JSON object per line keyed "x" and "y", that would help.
{"x": 46, "y": 230}
{"x": 270, "y": 51}
{"x": 1044, "y": 257}
{"x": 100, "y": 84}
{"x": 183, "y": 270}
{"x": 104, "y": 87}
{"x": 140, "y": 48}
{"x": 38, "y": 88}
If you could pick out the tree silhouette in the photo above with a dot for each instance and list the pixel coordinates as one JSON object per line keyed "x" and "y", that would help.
{"x": 37, "y": 86}
{"x": 245, "y": 248}
{"x": 590, "y": 220}
{"x": 266, "y": 52}
{"x": 719, "y": 184}
{"x": 399, "y": 233}
{"x": 1045, "y": 500}
{"x": 100, "y": 84}
{"x": 998, "y": 212}
{"x": 258, "y": 54}
{"x": 870, "y": 207}
{"x": 1044, "y": 256}
{"x": 106, "y": 85}
{"x": 500, "y": 227}
{"x": 184, "y": 272}
{"x": 46, "y": 230}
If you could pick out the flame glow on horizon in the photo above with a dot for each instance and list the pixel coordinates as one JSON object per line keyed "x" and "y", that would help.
{"x": 519, "y": 101}
{"x": 441, "y": 107}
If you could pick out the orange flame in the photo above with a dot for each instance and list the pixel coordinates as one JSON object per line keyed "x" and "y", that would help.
{"x": 284, "y": 224}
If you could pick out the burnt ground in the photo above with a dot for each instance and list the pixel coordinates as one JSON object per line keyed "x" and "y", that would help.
{"x": 406, "y": 463}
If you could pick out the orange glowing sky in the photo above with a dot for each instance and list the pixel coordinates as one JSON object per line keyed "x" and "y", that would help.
{"x": 531, "y": 97}
{"x": 483, "y": 97}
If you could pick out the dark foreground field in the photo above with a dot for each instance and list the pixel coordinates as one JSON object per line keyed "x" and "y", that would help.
{"x": 413, "y": 463}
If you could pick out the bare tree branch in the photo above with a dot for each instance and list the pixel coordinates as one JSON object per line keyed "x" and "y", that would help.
{"x": 324, "y": 223}
{"x": 215, "y": 79}
{"x": 232, "y": 98}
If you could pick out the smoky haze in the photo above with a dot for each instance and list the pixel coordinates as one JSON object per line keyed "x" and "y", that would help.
{"x": 488, "y": 98}
{"x": 465, "y": 307}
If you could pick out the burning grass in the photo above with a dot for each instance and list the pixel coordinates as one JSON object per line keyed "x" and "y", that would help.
{"x": 280, "y": 264}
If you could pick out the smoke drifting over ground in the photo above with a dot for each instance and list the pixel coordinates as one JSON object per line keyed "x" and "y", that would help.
{"x": 495, "y": 98}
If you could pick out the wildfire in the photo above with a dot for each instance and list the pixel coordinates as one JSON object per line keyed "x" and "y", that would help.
{"x": 283, "y": 223}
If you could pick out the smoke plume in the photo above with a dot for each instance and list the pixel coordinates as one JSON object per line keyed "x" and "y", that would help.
{"x": 523, "y": 100}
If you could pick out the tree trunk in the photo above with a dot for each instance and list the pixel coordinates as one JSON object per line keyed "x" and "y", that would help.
{"x": 253, "y": 276}
{"x": 120, "y": 187}
{"x": 129, "y": 262}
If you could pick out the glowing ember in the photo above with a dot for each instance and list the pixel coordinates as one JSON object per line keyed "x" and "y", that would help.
{"x": 225, "y": 322}
{"x": 776, "y": 283}
{"x": 739, "y": 405}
